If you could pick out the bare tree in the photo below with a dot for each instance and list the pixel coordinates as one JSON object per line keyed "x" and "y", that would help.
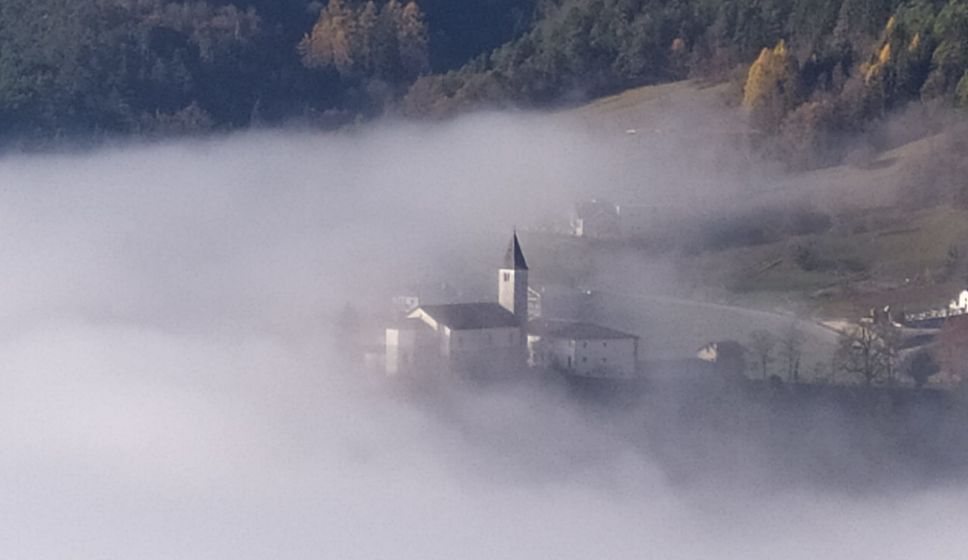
{"x": 869, "y": 351}
{"x": 762, "y": 344}
{"x": 791, "y": 350}
{"x": 890, "y": 337}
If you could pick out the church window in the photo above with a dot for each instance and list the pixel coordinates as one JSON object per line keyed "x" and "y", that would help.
{"x": 507, "y": 276}
{"x": 510, "y": 338}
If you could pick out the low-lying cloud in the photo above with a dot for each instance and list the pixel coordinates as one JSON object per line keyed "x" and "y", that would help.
{"x": 170, "y": 386}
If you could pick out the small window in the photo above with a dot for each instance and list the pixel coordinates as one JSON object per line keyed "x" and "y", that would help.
{"x": 511, "y": 338}
{"x": 584, "y": 359}
{"x": 507, "y": 276}
{"x": 584, "y": 345}
{"x": 605, "y": 344}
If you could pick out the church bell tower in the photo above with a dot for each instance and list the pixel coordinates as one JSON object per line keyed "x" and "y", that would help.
{"x": 513, "y": 282}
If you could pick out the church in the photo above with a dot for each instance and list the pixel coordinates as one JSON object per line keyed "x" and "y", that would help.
{"x": 502, "y": 339}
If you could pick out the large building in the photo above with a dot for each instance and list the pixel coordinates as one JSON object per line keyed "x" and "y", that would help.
{"x": 582, "y": 349}
{"x": 503, "y": 338}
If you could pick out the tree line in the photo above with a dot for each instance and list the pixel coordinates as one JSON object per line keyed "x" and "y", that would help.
{"x": 78, "y": 69}
{"x": 815, "y": 69}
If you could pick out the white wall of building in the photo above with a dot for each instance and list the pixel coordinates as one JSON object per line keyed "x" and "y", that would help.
{"x": 607, "y": 358}
{"x": 512, "y": 292}
{"x": 439, "y": 346}
{"x": 550, "y": 352}
{"x": 591, "y": 358}
{"x": 401, "y": 347}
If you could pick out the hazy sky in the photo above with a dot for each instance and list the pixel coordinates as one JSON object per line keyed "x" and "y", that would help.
{"x": 168, "y": 386}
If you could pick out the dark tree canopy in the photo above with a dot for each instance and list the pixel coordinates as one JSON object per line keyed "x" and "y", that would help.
{"x": 91, "y": 67}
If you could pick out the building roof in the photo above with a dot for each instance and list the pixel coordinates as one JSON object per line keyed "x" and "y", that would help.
{"x": 469, "y": 316}
{"x": 574, "y": 330}
{"x": 514, "y": 258}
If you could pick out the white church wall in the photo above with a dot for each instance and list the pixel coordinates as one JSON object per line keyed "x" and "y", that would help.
{"x": 401, "y": 346}
{"x": 512, "y": 291}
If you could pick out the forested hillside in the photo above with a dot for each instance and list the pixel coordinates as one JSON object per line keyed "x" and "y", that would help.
{"x": 812, "y": 72}
{"x": 82, "y": 68}
{"x": 90, "y": 67}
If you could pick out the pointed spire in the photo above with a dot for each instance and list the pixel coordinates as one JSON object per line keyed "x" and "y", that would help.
{"x": 514, "y": 258}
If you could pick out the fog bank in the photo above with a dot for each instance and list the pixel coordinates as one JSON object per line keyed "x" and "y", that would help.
{"x": 171, "y": 386}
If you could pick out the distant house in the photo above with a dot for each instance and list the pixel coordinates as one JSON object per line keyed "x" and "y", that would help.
{"x": 960, "y": 304}
{"x": 600, "y": 219}
{"x": 582, "y": 349}
{"x": 727, "y": 356}
{"x": 596, "y": 218}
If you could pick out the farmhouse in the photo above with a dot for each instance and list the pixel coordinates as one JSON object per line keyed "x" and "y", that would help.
{"x": 600, "y": 219}
{"x": 582, "y": 349}
{"x": 502, "y": 338}
{"x": 596, "y": 218}
{"x": 960, "y": 305}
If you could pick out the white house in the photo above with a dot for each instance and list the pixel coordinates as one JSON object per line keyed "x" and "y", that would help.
{"x": 961, "y": 304}
{"x": 582, "y": 349}
{"x": 727, "y": 356}
{"x": 595, "y": 218}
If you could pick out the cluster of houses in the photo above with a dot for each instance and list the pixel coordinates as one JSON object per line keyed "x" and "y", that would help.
{"x": 504, "y": 337}
{"x": 434, "y": 333}
{"x": 936, "y": 317}
{"x": 598, "y": 218}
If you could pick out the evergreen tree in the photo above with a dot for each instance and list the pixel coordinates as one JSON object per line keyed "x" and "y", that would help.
{"x": 412, "y": 41}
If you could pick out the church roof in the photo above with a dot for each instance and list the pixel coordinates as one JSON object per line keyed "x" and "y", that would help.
{"x": 514, "y": 258}
{"x": 571, "y": 330}
{"x": 468, "y": 316}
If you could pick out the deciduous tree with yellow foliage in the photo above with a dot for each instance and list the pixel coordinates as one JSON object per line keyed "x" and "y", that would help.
{"x": 389, "y": 44}
{"x": 772, "y": 87}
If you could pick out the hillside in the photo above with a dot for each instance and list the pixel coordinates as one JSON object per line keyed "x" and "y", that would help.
{"x": 885, "y": 230}
{"x": 94, "y": 68}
